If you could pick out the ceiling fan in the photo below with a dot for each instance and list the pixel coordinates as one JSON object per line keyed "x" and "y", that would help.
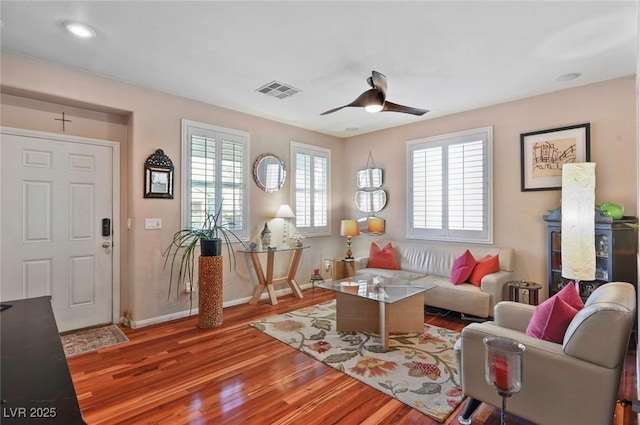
{"x": 375, "y": 99}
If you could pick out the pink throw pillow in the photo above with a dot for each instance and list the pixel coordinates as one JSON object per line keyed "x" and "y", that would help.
{"x": 570, "y": 294}
{"x": 551, "y": 319}
{"x": 462, "y": 268}
{"x": 486, "y": 265}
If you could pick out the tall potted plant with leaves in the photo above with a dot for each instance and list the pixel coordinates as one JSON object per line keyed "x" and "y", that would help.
{"x": 182, "y": 252}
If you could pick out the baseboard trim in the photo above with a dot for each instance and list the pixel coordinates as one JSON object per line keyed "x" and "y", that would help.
{"x": 194, "y": 311}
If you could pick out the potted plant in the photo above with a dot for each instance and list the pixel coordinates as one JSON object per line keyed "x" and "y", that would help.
{"x": 183, "y": 250}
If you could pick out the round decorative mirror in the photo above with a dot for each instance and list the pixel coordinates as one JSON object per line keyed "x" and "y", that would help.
{"x": 269, "y": 172}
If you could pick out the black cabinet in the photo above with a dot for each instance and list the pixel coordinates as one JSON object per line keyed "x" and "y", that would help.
{"x": 616, "y": 248}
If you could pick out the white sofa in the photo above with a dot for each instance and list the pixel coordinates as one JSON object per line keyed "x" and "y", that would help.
{"x": 430, "y": 262}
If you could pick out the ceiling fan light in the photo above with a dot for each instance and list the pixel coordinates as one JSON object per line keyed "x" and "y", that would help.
{"x": 373, "y": 108}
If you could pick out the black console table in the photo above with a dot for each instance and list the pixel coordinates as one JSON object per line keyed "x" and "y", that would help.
{"x": 35, "y": 383}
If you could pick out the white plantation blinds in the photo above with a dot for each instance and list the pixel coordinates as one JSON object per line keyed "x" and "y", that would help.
{"x": 450, "y": 187}
{"x": 311, "y": 189}
{"x": 215, "y": 170}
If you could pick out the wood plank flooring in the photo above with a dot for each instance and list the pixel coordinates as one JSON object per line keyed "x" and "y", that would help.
{"x": 175, "y": 373}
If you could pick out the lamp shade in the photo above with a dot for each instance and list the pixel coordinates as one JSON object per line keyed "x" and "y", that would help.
{"x": 578, "y": 221}
{"x": 285, "y": 211}
{"x": 375, "y": 225}
{"x": 349, "y": 228}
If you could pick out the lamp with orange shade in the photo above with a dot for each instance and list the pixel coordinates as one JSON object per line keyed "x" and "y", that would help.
{"x": 349, "y": 228}
{"x": 375, "y": 225}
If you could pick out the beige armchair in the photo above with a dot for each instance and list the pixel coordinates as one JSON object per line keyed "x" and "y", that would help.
{"x": 575, "y": 382}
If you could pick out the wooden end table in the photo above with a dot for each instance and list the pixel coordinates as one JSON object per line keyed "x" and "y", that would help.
{"x": 516, "y": 285}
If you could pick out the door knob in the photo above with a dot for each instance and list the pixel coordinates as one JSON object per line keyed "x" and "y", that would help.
{"x": 106, "y": 244}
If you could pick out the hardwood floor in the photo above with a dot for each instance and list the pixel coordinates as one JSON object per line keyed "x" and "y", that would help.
{"x": 175, "y": 373}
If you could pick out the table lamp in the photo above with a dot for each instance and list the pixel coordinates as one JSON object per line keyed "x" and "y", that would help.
{"x": 349, "y": 228}
{"x": 578, "y": 218}
{"x": 284, "y": 212}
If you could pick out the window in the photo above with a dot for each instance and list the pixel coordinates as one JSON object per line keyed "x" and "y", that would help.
{"x": 311, "y": 182}
{"x": 215, "y": 172}
{"x": 450, "y": 187}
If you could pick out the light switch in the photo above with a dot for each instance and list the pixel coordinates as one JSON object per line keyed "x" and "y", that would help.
{"x": 152, "y": 223}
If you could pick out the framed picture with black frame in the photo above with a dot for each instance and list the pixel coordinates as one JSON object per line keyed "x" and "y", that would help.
{"x": 542, "y": 154}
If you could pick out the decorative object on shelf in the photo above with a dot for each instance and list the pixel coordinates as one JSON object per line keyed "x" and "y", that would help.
{"x": 265, "y": 237}
{"x": 578, "y": 233}
{"x": 614, "y": 210}
{"x": 253, "y": 246}
{"x": 503, "y": 367}
{"x": 349, "y": 228}
{"x": 298, "y": 240}
{"x": 285, "y": 213}
{"x": 543, "y": 154}
{"x": 158, "y": 176}
{"x": 269, "y": 172}
{"x": 209, "y": 237}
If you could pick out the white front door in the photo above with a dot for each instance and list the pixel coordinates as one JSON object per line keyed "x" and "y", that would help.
{"x": 55, "y": 194}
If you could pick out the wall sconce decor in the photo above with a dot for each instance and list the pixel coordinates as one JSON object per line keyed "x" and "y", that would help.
{"x": 158, "y": 176}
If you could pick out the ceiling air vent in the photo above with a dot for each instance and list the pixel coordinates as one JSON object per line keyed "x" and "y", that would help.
{"x": 277, "y": 89}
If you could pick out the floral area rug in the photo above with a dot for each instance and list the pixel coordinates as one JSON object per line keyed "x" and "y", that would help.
{"x": 418, "y": 370}
{"x": 92, "y": 339}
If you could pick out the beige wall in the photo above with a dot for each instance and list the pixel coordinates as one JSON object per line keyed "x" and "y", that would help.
{"x": 154, "y": 121}
{"x": 143, "y": 120}
{"x": 609, "y": 107}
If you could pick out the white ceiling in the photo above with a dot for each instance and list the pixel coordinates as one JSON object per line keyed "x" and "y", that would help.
{"x": 445, "y": 56}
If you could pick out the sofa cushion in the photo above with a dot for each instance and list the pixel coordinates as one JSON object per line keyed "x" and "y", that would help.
{"x": 551, "y": 319}
{"x": 462, "y": 268}
{"x": 384, "y": 258}
{"x": 487, "y": 264}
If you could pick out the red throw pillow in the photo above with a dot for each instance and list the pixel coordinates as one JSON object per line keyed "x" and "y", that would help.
{"x": 551, "y": 319}
{"x": 462, "y": 268}
{"x": 383, "y": 258}
{"x": 486, "y": 265}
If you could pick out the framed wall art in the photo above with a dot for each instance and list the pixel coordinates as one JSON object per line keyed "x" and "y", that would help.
{"x": 158, "y": 176}
{"x": 542, "y": 154}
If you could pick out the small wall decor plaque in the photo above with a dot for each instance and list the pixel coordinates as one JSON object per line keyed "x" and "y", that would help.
{"x": 158, "y": 176}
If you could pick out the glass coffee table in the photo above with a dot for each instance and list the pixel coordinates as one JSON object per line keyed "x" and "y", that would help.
{"x": 368, "y": 303}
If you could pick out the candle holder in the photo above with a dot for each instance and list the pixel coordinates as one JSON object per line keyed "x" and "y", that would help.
{"x": 503, "y": 367}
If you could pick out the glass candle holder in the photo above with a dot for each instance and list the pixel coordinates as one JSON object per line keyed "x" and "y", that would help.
{"x": 503, "y": 367}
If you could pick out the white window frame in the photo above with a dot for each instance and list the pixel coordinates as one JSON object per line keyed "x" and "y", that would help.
{"x": 296, "y": 148}
{"x": 484, "y": 134}
{"x": 193, "y": 128}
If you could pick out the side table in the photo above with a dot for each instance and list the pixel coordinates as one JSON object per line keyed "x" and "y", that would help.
{"x": 516, "y": 285}
{"x": 266, "y": 282}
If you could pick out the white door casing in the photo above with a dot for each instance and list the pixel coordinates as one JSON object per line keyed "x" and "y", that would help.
{"x": 55, "y": 190}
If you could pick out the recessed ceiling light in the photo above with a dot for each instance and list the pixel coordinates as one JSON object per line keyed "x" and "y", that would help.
{"x": 79, "y": 30}
{"x": 568, "y": 77}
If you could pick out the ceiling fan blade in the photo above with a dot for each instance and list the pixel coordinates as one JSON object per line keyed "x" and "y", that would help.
{"x": 393, "y": 107}
{"x": 366, "y": 98}
{"x": 378, "y": 81}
